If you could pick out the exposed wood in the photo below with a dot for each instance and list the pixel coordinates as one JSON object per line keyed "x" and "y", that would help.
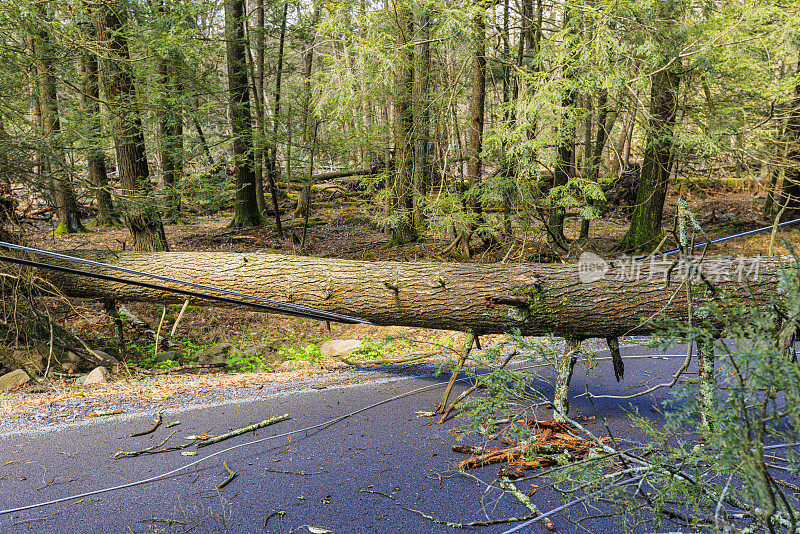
{"x": 450, "y": 296}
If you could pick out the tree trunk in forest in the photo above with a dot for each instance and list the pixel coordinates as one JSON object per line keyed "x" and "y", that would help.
{"x": 272, "y": 166}
{"x": 421, "y": 175}
{"x": 45, "y": 55}
{"x": 790, "y": 191}
{"x": 593, "y": 158}
{"x": 247, "y": 212}
{"x": 645, "y": 228}
{"x": 95, "y": 156}
{"x": 170, "y": 128}
{"x": 200, "y": 134}
{"x": 477, "y": 108}
{"x": 506, "y": 160}
{"x": 618, "y": 159}
{"x": 565, "y": 154}
{"x": 8, "y": 203}
{"x": 141, "y": 216}
{"x": 569, "y": 300}
{"x": 309, "y": 123}
{"x": 401, "y": 222}
{"x": 259, "y": 72}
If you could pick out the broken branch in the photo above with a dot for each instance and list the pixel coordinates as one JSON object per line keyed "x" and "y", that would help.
{"x": 156, "y": 423}
{"x": 509, "y": 486}
{"x": 151, "y": 450}
{"x": 231, "y": 475}
{"x": 472, "y": 523}
{"x": 244, "y": 430}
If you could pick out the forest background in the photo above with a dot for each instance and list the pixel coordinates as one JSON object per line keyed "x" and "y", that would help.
{"x": 475, "y": 120}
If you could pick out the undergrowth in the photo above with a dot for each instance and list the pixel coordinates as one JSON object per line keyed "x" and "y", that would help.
{"x": 734, "y": 469}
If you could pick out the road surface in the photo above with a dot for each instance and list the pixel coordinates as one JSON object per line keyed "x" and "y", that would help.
{"x": 356, "y": 475}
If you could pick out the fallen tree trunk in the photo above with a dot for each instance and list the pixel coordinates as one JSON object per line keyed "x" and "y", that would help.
{"x": 572, "y": 300}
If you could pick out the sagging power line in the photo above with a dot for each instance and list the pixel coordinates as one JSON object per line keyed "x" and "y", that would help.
{"x": 255, "y": 301}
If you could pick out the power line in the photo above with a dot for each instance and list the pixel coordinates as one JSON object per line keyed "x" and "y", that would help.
{"x": 721, "y": 239}
{"x": 260, "y": 302}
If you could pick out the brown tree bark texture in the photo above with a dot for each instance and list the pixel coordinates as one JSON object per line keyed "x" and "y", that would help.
{"x": 446, "y": 295}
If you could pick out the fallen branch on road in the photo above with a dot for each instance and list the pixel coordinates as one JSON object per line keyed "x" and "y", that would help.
{"x": 151, "y": 450}
{"x": 244, "y": 430}
{"x": 156, "y": 423}
{"x": 509, "y": 486}
{"x": 486, "y": 523}
{"x": 231, "y": 475}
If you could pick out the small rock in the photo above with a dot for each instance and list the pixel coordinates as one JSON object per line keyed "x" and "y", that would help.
{"x": 215, "y": 354}
{"x": 99, "y": 375}
{"x": 260, "y": 350}
{"x": 336, "y": 348}
{"x": 80, "y": 380}
{"x": 30, "y": 361}
{"x": 105, "y": 356}
{"x": 168, "y": 355}
{"x": 13, "y": 379}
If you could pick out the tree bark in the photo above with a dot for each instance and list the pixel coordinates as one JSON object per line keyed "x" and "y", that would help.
{"x": 45, "y": 55}
{"x": 645, "y": 228}
{"x": 247, "y": 212}
{"x": 95, "y": 156}
{"x": 533, "y": 299}
{"x": 141, "y": 216}
{"x": 401, "y": 225}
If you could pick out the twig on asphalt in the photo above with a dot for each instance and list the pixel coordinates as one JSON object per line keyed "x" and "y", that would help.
{"x": 509, "y": 486}
{"x": 151, "y": 450}
{"x": 33, "y": 519}
{"x": 156, "y": 423}
{"x": 231, "y": 475}
{"x": 244, "y": 430}
{"x": 472, "y": 523}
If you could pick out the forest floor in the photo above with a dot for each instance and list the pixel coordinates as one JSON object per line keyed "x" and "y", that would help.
{"x": 344, "y": 229}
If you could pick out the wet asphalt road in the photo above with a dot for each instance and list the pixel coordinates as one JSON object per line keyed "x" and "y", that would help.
{"x": 353, "y": 476}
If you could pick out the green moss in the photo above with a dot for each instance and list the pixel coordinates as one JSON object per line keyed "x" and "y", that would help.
{"x": 536, "y": 304}
{"x": 63, "y": 228}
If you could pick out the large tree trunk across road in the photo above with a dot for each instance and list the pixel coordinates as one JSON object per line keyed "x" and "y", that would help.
{"x": 588, "y": 299}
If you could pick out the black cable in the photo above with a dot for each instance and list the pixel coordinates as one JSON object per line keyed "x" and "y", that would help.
{"x": 283, "y": 305}
{"x": 720, "y": 239}
{"x": 289, "y": 310}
